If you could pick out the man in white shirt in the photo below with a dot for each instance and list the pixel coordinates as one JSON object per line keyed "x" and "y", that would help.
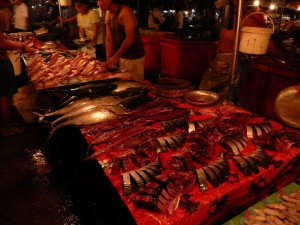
{"x": 21, "y": 16}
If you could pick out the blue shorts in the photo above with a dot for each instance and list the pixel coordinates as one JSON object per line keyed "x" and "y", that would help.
{"x": 8, "y": 85}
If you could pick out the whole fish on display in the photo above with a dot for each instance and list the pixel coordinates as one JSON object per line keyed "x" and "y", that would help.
{"x": 77, "y": 85}
{"x": 88, "y": 90}
{"x": 95, "y": 115}
{"x": 69, "y": 107}
{"x": 124, "y": 85}
{"x": 84, "y": 107}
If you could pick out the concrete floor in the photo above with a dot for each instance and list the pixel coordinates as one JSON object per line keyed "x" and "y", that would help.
{"x": 71, "y": 194}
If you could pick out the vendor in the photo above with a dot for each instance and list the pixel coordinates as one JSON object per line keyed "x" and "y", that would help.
{"x": 88, "y": 21}
{"x": 217, "y": 77}
{"x": 123, "y": 41}
{"x": 8, "y": 85}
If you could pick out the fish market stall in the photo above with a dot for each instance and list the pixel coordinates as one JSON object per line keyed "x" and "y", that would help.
{"x": 173, "y": 162}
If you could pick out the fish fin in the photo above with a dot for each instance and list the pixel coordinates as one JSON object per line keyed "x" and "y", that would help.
{"x": 41, "y": 117}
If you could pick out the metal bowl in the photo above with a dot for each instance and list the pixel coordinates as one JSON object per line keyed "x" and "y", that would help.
{"x": 286, "y": 106}
{"x": 201, "y": 98}
{"x": 81, "y": 41}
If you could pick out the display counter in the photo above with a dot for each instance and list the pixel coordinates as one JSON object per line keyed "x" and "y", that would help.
{"x": 196, "y": 205}
{"x": 264, "y": 78}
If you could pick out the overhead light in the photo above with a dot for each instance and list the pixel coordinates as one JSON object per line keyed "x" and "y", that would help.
{"x": 298, "y": 8}
{"x": 256, "y": 3}
{"x": 272, "y": 7}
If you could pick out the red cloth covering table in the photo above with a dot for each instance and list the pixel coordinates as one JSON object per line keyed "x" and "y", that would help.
{"x": 217, "y": 203}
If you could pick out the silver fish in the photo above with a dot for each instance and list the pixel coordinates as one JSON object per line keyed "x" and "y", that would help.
{"x": 91, "y": 116}
{"x": 123, "y": 85}
{"x": 82, "y": 109}
{"x": 63, "y": 110}
{"x": 81, "y": 103}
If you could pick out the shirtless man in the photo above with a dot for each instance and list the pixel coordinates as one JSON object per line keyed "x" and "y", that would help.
{"x": 123, "y": 41}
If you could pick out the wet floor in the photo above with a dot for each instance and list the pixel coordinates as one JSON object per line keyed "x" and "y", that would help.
{"x": 27, "y": 195}
{"x": 43, "y": 182}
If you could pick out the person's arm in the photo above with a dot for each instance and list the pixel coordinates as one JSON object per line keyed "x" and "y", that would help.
{"x": 127, "y": 18}
{"x": 81, "y": 32}
{"x": 72, "y": 18}
{"x": 54, "y": 21}
{"x": 96, "y": 27}
{"x": 109, "y": 43}
{"x": 13, "y": 45}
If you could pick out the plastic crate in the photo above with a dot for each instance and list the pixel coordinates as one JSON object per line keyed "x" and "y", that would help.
{"x": 186, "y": 59}
{"x": 152, "y": 51}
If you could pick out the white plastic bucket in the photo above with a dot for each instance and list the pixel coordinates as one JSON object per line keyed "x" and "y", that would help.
{"x": 255, "y": 40}
{"x": 15, "y": 58}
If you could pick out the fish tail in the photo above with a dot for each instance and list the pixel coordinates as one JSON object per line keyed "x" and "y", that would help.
{"x": 92, "y": 156}
{"x": 41, "y": 117}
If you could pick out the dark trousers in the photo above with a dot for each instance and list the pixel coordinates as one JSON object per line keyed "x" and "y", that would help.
{"x": 100, "y": 52}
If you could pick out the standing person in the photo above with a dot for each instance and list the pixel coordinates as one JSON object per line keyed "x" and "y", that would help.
{"x": 155, "y": 17}
{"x": 54, "y": 15}
{"x": 8, "y": 85}
{"x": 217, "y": 77}
{"x": 6, "y": 15}
{"x": 21, "y": 16}
{"x": 123, "y": 41}
{"x": 178, "y": 18}
{"x": 88, "y": 22}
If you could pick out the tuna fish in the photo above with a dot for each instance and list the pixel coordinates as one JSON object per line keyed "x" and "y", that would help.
{"x": 123, "y": 85}
{"x": 82, "y": 104}
{"x": 91, "y": 116}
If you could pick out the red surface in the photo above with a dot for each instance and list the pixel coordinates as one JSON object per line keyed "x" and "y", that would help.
{"x": 186, "y": 59}
{"x": 234, "y": 194}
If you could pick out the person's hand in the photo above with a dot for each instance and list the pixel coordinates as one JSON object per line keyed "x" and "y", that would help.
{"x": 92, "y": 43}
{"x": 111, "y": 62}
{"x": 29, "y": 50}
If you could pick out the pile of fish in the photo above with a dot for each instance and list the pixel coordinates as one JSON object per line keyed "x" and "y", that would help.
{"x": 285, "y": 211}
{"x": 94, "y": 103}
{"x": 61, "y": 70}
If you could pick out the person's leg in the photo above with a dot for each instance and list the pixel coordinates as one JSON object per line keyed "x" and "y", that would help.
{"x": 100, "y": 52}
{"x": 8, "y": 87}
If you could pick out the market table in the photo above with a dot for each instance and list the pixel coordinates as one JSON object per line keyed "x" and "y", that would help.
{"x": 214, "y": 205}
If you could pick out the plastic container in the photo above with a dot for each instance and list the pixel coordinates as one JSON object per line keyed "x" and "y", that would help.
{"x": 152, "y": 51}
{"x": 152, "y": 47}
{"x": 255, "y": 40}
{"x": 186, "y": 59}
